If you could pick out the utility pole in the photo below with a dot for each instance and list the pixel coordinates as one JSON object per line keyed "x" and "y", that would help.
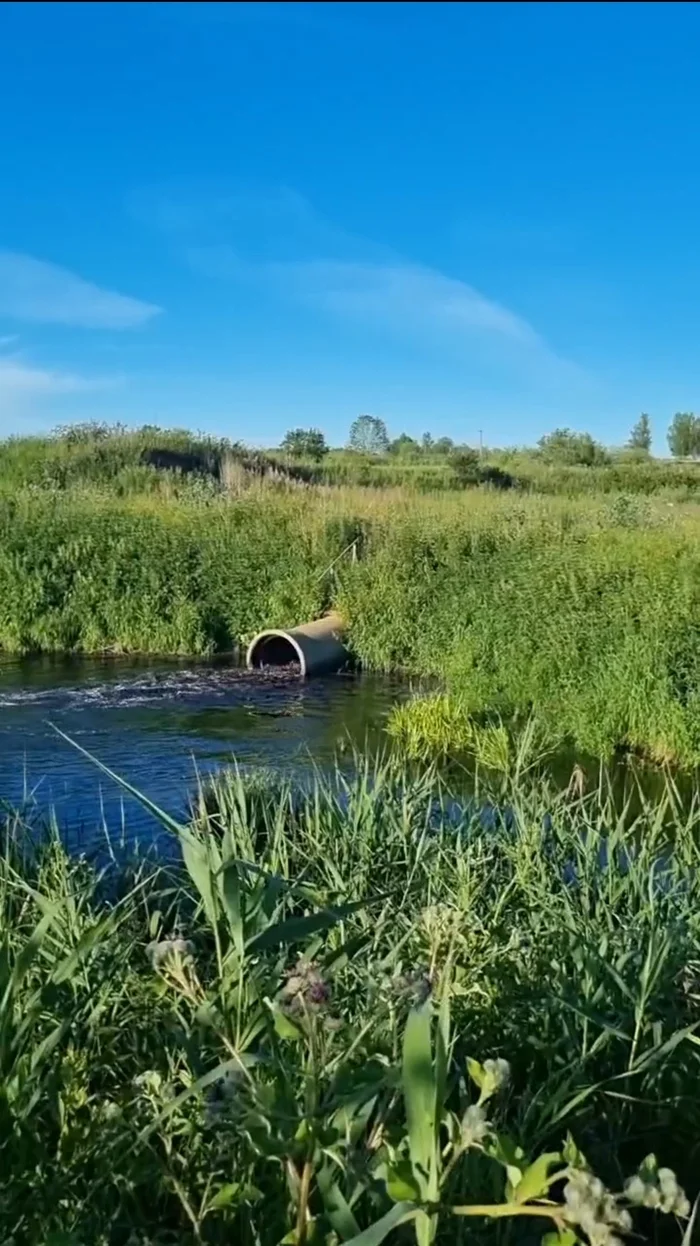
{"x": 481, "y": 443}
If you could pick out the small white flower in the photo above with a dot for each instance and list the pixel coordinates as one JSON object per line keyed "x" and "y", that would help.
{"x": 475, "y": 1126}
{"x": 667, "y": 1177}
{"x": 594, "y": 1209}
{"x": 163, "y": 950}
{"x": 635, "y": 1190}
{"x": 660, "y": 1191}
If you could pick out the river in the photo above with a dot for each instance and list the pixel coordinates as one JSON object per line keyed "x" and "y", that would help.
{"x": 159, "y": 724}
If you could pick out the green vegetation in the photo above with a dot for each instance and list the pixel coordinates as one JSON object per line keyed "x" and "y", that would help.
{"x": 368, "y": 435}
{"x": 580, "y": 610}
{"x": 357, "y": 1013}
{"x": 640, "y": 437}
{"x": 684, "y": 435}
{"x": 305, "y": 443}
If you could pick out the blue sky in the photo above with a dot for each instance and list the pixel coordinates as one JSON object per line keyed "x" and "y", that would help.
{"x": 243, "y": 218}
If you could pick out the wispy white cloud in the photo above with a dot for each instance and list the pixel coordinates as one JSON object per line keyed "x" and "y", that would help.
{"x": 34, "y": 290}
{"x": 26, "y": 388}
{"x": 406, "y": 299}
{"x": 277, "y": 240}
{"x": 19, "y": 379}
{"x": 403, "y": 297}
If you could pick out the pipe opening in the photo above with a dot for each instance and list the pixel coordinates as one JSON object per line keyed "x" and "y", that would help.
{"x": 273, "y": 649}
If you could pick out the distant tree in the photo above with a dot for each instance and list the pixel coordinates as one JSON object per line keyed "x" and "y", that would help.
{"x": 567, "y": 447}
{"x": 427, "y": 442}
{"x": 465, "y": 464}
{"x": 444, "y": 445}
{"x": 368, "y": 435}
{"x": 404, "y": 445}
{"x": 305, "y": 443}
{"x": 640, "y": 437}
{"x": 684, "y": 435}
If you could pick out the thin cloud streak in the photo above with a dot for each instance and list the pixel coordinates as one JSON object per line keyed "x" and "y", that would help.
{"x": 277, "y": 241}
{"x": 408, "y": 300}
{"x": 23, "y": 380}
{"x": 402, "y": 296}
{"x": 41, "y": 292}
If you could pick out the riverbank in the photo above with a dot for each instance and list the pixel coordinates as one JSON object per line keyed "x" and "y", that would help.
{"x": 229, "y": 1050}
{"x": 583, "y": 613}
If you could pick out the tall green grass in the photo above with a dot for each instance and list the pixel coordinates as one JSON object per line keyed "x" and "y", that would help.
{"x": 591, "y": 628}
{"x": 300, "y": 1034}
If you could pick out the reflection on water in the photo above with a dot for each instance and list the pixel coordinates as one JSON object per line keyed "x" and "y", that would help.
{"x": 158, "y": 724}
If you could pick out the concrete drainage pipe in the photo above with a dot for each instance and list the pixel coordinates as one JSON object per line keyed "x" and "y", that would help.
{"x": 317, "y": 648}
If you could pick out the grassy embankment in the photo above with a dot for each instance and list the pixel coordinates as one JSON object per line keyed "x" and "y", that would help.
{"x": 281, "y": 1041}
{"x": 582, "y": 610}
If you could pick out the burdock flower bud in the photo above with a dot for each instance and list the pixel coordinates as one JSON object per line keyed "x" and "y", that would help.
{"x": 498, "y": 1073}
{"x": 594, "y": 1209}
{"x": 475, "y": 1126}
{"x": 659, "y": 1191}
{"x": 163, "y": 950}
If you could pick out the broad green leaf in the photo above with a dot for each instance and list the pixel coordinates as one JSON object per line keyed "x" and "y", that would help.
{"x": 442, "y": 1048}
{"x": 419, "y": 1097}
{"x": 401, "y": 1213}
{"x": 401, "y": 1183}
{"x": 230, "y": 888}
{"x": 565, "y": 1237}
{"x": 285, "y": 1028}
{"x": 337, "y": 958}
{"x": 199, "y": 870}
{"x": 476, "y": 1072}
{"x": 534, "y": 1182}
{"x": 28, "y": 953}
{"x": 224, "y": 1196}
{"x": 336, "y": 1205}
{"x": 296, "y": 928}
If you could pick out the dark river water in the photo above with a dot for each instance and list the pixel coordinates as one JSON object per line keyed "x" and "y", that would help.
{"x": 159, "y": 724}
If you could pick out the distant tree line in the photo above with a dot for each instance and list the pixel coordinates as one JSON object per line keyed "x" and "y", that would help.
{"x": 369, "y": 436}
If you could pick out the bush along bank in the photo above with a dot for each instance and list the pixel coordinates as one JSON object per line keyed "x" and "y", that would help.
{"x": 594, "y": 632}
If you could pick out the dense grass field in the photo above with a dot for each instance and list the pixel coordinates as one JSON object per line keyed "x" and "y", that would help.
{"x": 358, "y": 1013}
